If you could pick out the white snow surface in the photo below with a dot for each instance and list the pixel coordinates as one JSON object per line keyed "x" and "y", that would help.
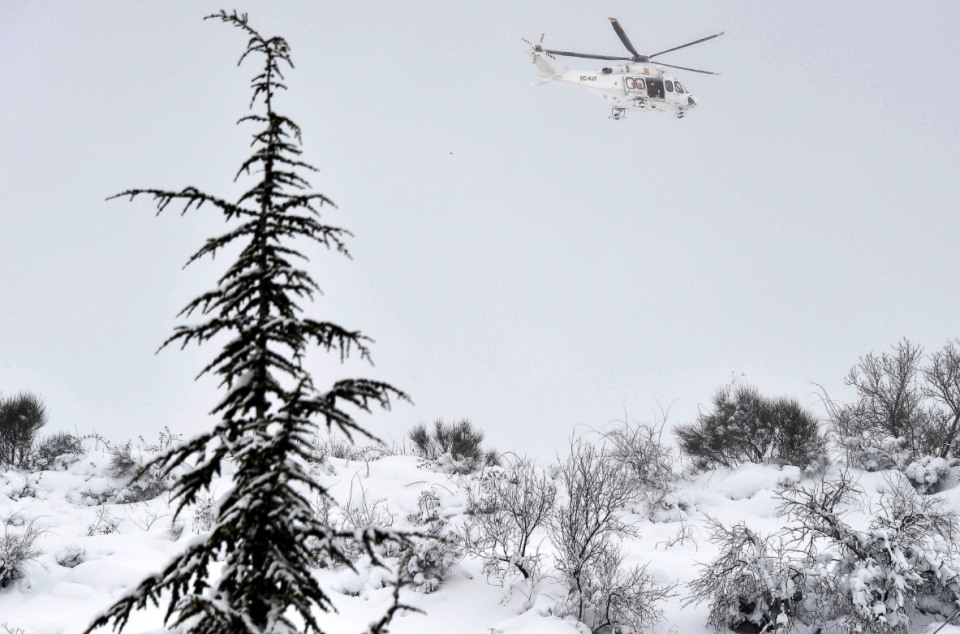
{"x": 54, "y": 599}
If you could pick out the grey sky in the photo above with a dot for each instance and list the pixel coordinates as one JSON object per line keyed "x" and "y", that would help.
{"x": 520, "y": 259}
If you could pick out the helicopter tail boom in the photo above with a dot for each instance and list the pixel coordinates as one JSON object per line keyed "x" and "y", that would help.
{"x": 544, "y": 68}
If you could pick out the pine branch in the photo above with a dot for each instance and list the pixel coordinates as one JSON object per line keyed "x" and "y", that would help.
{"x": 360, "y": 393}
{"x": 193, "y": 197}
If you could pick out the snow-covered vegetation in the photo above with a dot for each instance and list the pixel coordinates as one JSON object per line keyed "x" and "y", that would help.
{"x": 515, "y": 547}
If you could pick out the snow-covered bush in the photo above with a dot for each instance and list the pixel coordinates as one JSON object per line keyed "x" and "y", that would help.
{"x": 515, "y": 502}
{"x": 746, "y": 426}
{"x": 457, "y": 447}
{"x": 122, "y": 461}
{"x": 929, "y": 473}
{"x": 750, "y": 585}
{"x": 876, "y": 580}
{"x": 615, "y": 600}
{"x": 429, "y": 560}
{"x": 21, "y": 418}
{"x": 54, "y": 446}
{"x": 17, "y": 548}
{"x": 143, "y": 482}
{"x": 71, "y": 556}
{"x": 871, "y": 452}
{"x": 429, "y": 556}
{"x": 28, "y": 489}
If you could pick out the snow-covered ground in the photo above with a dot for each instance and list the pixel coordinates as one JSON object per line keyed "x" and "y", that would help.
{"x": 121, "y": 543}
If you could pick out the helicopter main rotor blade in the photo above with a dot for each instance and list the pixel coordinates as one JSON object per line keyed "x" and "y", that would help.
{"x": 692, "y": 70}
{"x": 623, "y": 37}
{"x": 587, "y": 55}
{"x": 677, "y": 48}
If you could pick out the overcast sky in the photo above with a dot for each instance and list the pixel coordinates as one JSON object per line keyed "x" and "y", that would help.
{"x": 520, "y": 259}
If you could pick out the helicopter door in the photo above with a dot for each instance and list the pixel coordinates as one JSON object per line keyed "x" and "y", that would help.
{"x": 674, "y": 91}
{"x": 655, "y": 88}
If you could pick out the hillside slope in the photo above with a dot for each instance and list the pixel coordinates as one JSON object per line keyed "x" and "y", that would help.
{"x": 111, "y": 545}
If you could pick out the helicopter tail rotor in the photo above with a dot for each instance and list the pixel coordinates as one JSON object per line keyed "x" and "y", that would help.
{"x": 537, "y": 48}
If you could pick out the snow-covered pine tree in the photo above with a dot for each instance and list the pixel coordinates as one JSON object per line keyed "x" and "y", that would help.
{"x": 271, "y": 407}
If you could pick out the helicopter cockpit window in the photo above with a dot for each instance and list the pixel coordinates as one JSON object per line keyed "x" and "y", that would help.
{"x": 679, "y": 87}
{"x": 631, "y": 84}
{"x": 639, "y": 83}
{"x": 669, "y": 85}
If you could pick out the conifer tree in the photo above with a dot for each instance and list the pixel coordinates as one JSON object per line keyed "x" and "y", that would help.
{"x": 271, "y": 407}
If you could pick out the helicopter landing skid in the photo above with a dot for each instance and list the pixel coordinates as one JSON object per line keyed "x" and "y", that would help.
{"x": 618, "y": 113}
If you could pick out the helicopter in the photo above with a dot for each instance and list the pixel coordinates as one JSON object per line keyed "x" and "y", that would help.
{"x": 638, "y": 84}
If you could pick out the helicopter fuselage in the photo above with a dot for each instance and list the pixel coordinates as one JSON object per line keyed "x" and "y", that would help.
{"x": 642, "y": 87}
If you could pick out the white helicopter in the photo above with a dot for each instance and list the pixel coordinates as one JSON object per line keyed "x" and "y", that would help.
{"x": 638, "y": 84}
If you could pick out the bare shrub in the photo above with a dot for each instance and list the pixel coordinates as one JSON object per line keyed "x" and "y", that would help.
{"x": 942, "y": 386}
{"x": 17, "y": 549}
{"x": 21, "y": 418}
{"x": 364, "y": 513}
{"x": 584, "y": 529}
{"x": 104, "y": 523}
{"x": 458, "y": 446}
{"x": 888, "y": 423}
{"x": 166, "y": 439}
{"x": 204, "y": 513}
{"x": 905, "y": 410}
{"x": 597, "y": 489}
{"x": 516, "y": 502}
{"x": 751, "y": 585}
{"x": 357, "y": 515}
{"x": 319, "y": 451}
{"x": 340, "y": 448}
{"x": 641, "y": 449}
{"x": 145, "y": 520}
{"x": 745, "y": 426}
{"x": 876, "y": 580}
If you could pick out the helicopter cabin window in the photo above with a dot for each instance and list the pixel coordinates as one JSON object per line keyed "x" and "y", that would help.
{"x": 669, "y": 85}
{"x": 678, "y": 87}
{"x": 639, "y": 83}
{"x": 630, "y": 83}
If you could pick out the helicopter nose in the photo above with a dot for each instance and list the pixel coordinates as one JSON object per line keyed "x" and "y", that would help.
{"x": 691, "y": 101}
